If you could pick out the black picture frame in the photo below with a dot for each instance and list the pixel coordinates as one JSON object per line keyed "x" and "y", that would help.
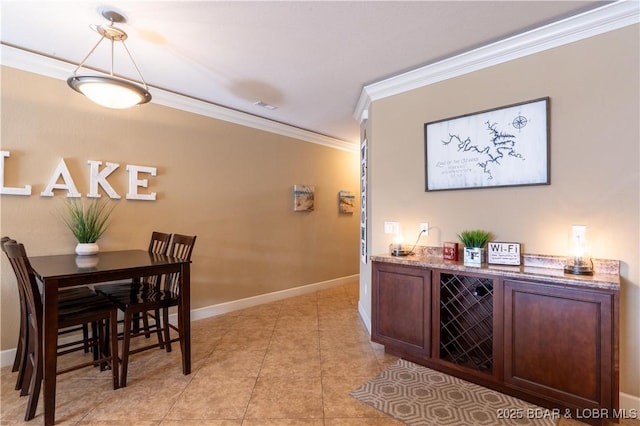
{"x": 499, "y": 147}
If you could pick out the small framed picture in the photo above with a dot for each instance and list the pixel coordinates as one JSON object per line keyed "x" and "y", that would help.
{"x": 303, "y": 198}
{"x": 346, "y": 202}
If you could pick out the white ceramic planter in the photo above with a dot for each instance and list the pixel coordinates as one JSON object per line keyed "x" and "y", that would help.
{"x": 87, "y": 249}
{"x": 473, "y": 256}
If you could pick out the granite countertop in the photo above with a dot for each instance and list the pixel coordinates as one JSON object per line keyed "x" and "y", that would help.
{"x": 540, "y": 267}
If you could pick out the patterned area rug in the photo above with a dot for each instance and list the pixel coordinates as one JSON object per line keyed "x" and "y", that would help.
{"x": 417, "y": 395}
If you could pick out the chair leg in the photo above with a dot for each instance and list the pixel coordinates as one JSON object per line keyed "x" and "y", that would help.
{"x": 27, "y": 370}
{"x": 34, "y": 388}
{"x": 145, "y": 324}
{"x": 167, "y": 329}
{"x": 35, "y": 378}
{"x": 16, "y": 360}
{"x": 112, "y": 347}
{"x": 19, "y": 349}
{"x": 101, "y": 349}
{"x": 159, "y": 330}
{"x": 126, "y": 339}
{"x": 22, "y": 356}
{"x": 85, "y": 337}
{"x": 136, "y": 322}
{"x": 94, "y": 342}
{"x": 27, "y": 375}
{"x": 180, "y": 333}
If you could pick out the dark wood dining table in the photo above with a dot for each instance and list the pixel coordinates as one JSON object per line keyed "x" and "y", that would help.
{"x": 68, "y": 270}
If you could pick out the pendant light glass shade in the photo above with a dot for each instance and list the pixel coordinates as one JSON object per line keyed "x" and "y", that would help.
{"x": 110, "y": 91}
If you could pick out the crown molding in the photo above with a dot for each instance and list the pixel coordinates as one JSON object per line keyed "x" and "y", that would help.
{"x": 591, "y": 23}
{"x": 50, "y": 67}
{"x": 196, "y": 106}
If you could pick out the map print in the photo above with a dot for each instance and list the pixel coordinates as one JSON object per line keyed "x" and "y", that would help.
{"x": 500, "y": 147}
{"x": 490, "y": 155}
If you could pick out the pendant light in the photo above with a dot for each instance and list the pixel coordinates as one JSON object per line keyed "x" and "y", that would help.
{"x": 110, "y": 91}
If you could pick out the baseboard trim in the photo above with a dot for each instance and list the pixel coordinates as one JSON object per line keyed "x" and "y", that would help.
{"x": 7, "y": 356}
{"x": 236, "y": 305}
{"x": 364, "y": 316}
{"x": 630, "y": 404}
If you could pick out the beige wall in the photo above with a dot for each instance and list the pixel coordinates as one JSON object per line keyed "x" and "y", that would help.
{"x": 231, "y": 185}
{"x": 595, "y": 164}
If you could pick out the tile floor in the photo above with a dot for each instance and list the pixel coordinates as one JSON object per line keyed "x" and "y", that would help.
{"x": 291, "y": 362}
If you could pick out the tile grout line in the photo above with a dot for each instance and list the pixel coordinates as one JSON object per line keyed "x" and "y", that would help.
{"x": 324, "y": 420}
{"x": 255, "y": 383}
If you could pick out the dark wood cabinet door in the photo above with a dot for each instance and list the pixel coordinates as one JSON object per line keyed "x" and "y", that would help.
{"x": 559, "y": 343}
{"x": 401, "y": 308}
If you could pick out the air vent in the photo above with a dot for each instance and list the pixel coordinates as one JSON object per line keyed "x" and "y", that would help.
{"x": 265, "y": 105}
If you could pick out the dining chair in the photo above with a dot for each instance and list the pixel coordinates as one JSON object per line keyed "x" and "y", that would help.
{"x": 22, "y": 335}
{"x": 96, "y": 309}
{"x": 159, "y": 244}
{"x": 152, "y": 298}
{"x": 67, "y": 297}
{"x": 182, "y": 248}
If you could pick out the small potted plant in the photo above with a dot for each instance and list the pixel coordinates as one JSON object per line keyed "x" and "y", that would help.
{"x": 474, "y": 241}
{"x": 87, "y": 222}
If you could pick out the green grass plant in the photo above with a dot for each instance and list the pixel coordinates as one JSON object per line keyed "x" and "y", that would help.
{"x": 89, "y": 220}
{"x": 474, "y": 238}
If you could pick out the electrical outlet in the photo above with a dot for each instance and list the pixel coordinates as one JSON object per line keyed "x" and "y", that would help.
{"x": 392, "y": 227}
{"x": 424, "y": 226}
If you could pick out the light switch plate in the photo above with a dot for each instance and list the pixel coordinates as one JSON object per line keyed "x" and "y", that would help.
{"x": 392, "y": 227}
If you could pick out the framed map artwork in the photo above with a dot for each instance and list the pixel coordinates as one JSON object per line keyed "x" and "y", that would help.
{"x": 507, "y": 146}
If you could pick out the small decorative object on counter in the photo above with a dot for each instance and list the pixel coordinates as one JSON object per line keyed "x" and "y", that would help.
{"x": 474, "y": 241}
{"x": 503, "y": 253}
{"x": 579, "y": 260}
{"x": 450, "y": 251}
{"x": 396, "y": 247}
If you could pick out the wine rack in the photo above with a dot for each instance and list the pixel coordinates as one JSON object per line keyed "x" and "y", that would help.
{"x": 466, "y": 321}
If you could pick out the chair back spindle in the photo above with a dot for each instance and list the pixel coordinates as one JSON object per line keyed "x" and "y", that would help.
{"x": 159, "y": 244}
{"x": 181, "y": 248}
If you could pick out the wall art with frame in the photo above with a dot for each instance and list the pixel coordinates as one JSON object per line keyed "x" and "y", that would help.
{"x": 304, "y": 198}
{"x": 346, "y": 202}
{"x": 363, "y": 199}
{"x": 505, "y": 146}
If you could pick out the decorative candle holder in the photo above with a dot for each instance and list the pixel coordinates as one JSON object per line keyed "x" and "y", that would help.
{"x": 579, "y": 261}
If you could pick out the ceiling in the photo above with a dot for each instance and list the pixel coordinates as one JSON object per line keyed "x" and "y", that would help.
{"x": 311, "y": 59}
